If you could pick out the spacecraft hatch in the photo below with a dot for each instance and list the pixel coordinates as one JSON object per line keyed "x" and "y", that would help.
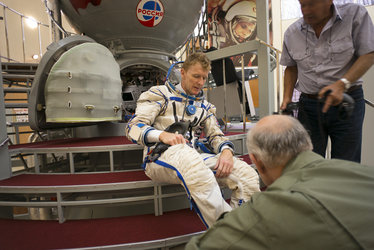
{"x": 125, "y": 47}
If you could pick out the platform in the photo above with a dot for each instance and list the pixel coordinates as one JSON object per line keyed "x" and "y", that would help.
{"x": 135, "y": 232}
{"x": 73, "y": 190}
{"x": 61, "y": 191}
{"x": 109, "y": 144}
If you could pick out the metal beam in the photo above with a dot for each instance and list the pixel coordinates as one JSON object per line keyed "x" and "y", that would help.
{"x": 259, "y": 46}
{"x": 265, "y": 77}
{"x": 5, "y": 166}
{"x": 250, "y": 46}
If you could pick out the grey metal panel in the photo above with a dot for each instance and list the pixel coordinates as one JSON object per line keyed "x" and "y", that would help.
{"x": 265, "y": 77}
{"x": 233, "y": 105}
{"x": 250, "y": 46}
{"x": 16, "y": 90}
{"x": 16, "y": 105}
{"x": 5, "y": 166}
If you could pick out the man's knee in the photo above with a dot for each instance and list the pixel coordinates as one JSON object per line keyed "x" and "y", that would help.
{"x": 188, "y": 162}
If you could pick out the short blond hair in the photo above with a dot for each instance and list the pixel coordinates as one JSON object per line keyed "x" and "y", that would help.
{"x": 197, "y": 57}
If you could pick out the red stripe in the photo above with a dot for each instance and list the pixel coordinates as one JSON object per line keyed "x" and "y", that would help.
{"x": 73, "y": 179}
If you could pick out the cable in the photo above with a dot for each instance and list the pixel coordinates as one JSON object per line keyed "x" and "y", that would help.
{"x": 170, "y": 69}
{"x": 54, "y": 20}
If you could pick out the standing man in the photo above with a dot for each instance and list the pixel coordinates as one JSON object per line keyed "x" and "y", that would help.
{"x": 162, "y": 106}
{"x": 326, "y": 52}
{"x": 310, "y": 202}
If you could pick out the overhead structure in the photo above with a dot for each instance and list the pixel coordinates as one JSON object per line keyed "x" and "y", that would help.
{"x": 155, "y": 25}
{"x": 141, "y": 37}
{"x": 260, "y": 46}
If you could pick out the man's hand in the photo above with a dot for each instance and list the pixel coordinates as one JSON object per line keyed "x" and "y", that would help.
{"x": 335, "y": 97}
{"x": 290, "y": 78}
{"x": 172, "y": 139}
{"x": 284, "y": 104}
{"x": 225, "y": 164}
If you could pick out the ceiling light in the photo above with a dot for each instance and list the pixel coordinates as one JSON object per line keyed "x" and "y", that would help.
{"x": 31, "y": 22}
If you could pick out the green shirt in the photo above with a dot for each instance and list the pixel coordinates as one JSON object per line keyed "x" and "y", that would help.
{"x": 315, "y": 204}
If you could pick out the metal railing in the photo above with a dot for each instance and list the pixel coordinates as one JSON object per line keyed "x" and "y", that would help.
{"x": 369, "y": 103}
{"x": 23, "y": 18}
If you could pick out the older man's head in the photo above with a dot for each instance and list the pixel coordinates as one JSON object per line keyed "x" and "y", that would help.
{"x": 273, "y": 142}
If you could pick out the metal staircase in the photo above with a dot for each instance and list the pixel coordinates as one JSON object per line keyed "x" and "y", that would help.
{"x": 17, "y": 80}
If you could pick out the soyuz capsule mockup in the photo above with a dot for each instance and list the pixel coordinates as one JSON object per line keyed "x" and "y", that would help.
{"x": 125, "y": 47}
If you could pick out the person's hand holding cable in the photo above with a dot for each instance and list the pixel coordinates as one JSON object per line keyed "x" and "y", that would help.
{"x": 333, "y": 93}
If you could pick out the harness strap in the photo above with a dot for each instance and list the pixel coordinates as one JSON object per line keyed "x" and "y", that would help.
{"x": 192, "y": 202}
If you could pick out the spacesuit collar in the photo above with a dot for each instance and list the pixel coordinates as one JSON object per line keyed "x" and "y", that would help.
{"x": 179, "y": 90}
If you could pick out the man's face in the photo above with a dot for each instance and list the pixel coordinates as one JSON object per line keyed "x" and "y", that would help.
{"x": 243, "y": 30}
{"x": 193, "y": 79}
{"x": 315, "y": 11}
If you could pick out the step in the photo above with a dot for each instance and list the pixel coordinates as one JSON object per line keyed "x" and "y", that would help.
{"x": 16, "y": 105}
{"x": 18, "y": 77}
{"x": 135, "y": 232}
{"x": 17, "y": 90}
{"x": 73, "y": 191}
{"x": 25, "y": 68}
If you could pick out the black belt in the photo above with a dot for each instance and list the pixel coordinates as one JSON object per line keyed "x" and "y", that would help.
{"x": 315, "y": 96}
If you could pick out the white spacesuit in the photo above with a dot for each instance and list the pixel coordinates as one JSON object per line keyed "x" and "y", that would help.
{"x": 164, "y": 105}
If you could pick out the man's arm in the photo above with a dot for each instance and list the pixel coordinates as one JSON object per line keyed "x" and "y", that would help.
{"x": 225, "y": 164}
{"x": 149, "y": 105}
{"x": 239, "y": 229}
{"x": 172, "y": 139}
{"x": 358, "y": 69}
{"x": 218, "y": 142}
{"x": 290, "y": 78}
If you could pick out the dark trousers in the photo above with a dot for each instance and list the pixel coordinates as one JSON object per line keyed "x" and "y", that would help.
{"x": 345, "y": 135}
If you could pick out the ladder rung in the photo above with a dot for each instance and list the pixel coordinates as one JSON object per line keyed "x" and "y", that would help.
{"x": 16, "y": 90}
{"x": 17, "y": 76}
{"x": 16, "y": 105}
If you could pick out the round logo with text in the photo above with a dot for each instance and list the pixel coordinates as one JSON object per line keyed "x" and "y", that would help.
{"x": 150, "y": 12}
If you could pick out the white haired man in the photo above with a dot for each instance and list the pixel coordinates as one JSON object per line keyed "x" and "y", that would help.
{"x": 310, "y": 202}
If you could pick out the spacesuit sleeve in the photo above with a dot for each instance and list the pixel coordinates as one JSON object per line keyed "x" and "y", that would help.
{"x": 212, "y": 131}
{"x": 149, "y": 105}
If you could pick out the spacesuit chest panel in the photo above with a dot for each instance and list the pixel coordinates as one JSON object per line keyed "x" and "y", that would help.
{"x": 179, "y": 108}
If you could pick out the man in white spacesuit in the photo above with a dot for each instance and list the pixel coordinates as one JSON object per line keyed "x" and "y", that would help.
{"x": 181, "y": 162}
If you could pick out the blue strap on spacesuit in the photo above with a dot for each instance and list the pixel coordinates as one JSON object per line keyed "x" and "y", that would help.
{"x": 203, "y": 147}
{"x": 166, "y": 165}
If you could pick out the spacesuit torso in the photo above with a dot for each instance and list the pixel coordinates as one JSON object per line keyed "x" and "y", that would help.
{"x": 164, "y": 105}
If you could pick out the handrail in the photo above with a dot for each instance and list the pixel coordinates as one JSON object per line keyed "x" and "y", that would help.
{"x": 54, "y": 20}
{"x": 369, "y": 103}
{"x": 4, "y": 142}
{"x": 22, "y": 16}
